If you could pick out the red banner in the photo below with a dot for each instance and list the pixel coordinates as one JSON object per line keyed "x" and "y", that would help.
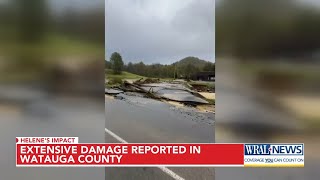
{"x": 129, "y": 154}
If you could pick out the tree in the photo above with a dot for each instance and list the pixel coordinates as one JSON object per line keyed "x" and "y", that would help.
{"x": 117, "y": 63}
{"x": 130, "y": 67}
{"x": 209, "y": 67}
{"x": 107, "y": 64}
{"x": 189, "y": 71}
{"x": 186, "y": 68}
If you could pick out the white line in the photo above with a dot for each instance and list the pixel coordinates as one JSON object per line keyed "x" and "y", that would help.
{"x": 171, "y": 173}
{"x": 164, "y": 169}
{"x": 115, "y": 136}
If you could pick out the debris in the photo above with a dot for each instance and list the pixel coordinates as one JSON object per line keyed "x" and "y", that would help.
{"x": 153, "y": 88}
{"x": 112, "y": 91}
{"x": 201, "y": 87}
{"x": 119, "y": 97}
{"x": 147, "y": 81}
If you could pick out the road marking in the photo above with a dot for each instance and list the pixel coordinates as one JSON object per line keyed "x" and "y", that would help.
{"x": 164, "y": 169}
{"x": 171, "y": 173}
{"x": 115, "y": 136}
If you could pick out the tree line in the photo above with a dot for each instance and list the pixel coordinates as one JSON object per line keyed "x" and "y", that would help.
{"x": 184, "y": 68}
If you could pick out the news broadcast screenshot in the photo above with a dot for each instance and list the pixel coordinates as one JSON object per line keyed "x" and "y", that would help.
{"x": 159, "y": 89}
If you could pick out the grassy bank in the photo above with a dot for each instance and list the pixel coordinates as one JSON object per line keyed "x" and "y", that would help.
{"x": 117, "y": 79}
{"x": 124, "y": 75}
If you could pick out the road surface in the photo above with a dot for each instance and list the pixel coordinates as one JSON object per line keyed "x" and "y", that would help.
{"x": 83, "y": 118}
{"x": 140, "y": 120}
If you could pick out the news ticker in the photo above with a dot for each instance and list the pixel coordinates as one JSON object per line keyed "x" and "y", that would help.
{"x": 67, "y": 151}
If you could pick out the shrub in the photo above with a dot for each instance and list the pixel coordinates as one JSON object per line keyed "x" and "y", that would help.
{"x": 115, "y": 80}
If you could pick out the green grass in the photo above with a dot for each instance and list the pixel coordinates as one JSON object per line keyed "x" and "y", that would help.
{"x": 124, "y": 75}
{"x": 211, "y": 101}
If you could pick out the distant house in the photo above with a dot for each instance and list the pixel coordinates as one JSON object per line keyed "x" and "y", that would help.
{"x": 204, "y": 76}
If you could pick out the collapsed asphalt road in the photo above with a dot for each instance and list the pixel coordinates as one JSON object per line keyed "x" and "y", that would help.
{"x": 136, "y": 119}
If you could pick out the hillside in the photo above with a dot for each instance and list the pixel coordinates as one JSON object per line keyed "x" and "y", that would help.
{"x": 192, "y": 60}
{"x": 186, "y": 68}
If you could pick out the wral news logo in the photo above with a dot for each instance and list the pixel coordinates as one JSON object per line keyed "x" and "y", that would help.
{"x": 274, "y": 155}
{"x": 274, "y": 149}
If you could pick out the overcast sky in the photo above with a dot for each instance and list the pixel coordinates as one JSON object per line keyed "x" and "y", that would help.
{"x": 160, "y": 31}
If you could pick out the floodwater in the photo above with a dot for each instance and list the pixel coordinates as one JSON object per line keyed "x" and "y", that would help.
{"x": 141, "y": 120}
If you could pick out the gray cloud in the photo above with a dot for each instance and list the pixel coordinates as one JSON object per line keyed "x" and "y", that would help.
{"x": 160, "y": 31}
